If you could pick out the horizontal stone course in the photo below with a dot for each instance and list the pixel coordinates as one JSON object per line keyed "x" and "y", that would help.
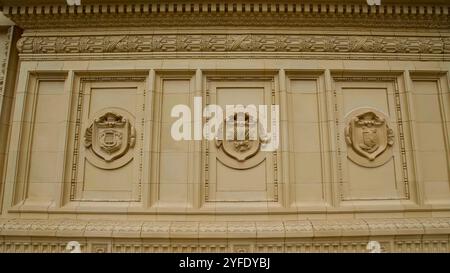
{"x": 231, "y": 229}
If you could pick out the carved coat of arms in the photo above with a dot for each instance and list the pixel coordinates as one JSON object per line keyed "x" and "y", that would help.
{"x": 238, "y": 147}
{"x": 368, "y": 134}
{"x": 110, "y": 136}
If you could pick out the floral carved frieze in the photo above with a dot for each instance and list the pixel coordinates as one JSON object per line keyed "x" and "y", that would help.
{"x": 109, "y": 137}
{"x": 232, "y": 43}
{"x": 369, "y": 137}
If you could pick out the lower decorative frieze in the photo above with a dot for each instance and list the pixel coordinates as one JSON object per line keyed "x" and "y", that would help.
{"x": 393, "y": 235}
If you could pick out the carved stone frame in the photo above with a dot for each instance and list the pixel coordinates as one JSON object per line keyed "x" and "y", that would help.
{"x": 397, "y": 98}
{"x": 82, "y": 99}
{"x": 210, "y": 98}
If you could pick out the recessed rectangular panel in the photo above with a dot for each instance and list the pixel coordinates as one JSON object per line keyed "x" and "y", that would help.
{"x": 233, "y": 175}
{"x": 47, "y": 130}
{"x": 371, "y": 120}
{"x": 430, "y": 140}
{"x": 111, "y": 151}
{"x": 174, "y": 155}
{"x": 304, "y": 128}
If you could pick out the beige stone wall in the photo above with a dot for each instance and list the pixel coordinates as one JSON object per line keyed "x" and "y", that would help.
{"x": 312, "y": 171}
{"x": 333, "y": 184}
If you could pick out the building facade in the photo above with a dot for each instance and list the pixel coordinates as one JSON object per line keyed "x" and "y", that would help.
{"x": 86, "y": 103}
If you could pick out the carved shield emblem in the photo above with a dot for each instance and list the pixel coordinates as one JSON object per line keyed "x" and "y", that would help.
{"x": 369, "y": 134}
{"x": 240, "y": 147}
{"x": 110, "y": 136}
{"x": 370, "y": 139}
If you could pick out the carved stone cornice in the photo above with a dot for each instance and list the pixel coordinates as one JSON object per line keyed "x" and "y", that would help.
{"x": 261, "y": 13}
{"x": 437, "y": 45}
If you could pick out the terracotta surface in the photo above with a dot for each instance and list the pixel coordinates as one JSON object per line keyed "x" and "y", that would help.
{"x": 87, "y": 155}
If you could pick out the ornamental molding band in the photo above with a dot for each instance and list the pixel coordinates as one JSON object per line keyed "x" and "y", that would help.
{"x": 411, "y": 235}
{"x": 224, "y": 229}
{"x": 294, "y": 43}
{"x": 29, "y": 15}
{"x": 109, "y": 138}
{"x": 369, "y": 137}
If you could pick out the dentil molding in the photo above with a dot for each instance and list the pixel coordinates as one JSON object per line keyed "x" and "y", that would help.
{"x": 312, "y": 13}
